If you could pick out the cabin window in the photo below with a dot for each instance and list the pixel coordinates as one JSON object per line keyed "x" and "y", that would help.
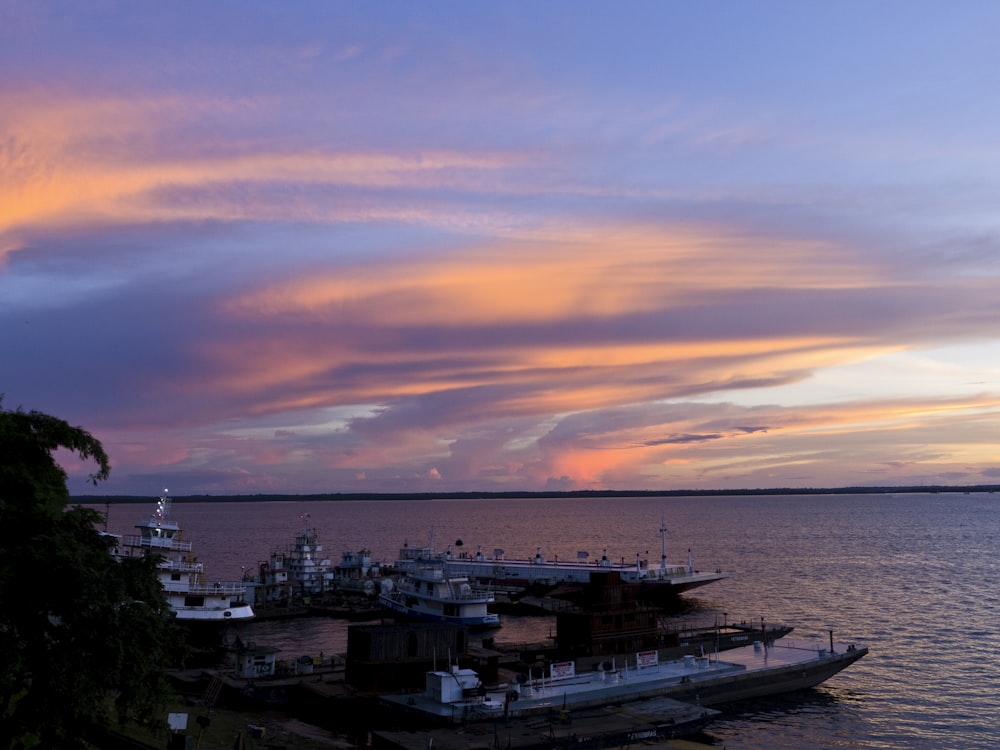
{"x": 194, "y": 601}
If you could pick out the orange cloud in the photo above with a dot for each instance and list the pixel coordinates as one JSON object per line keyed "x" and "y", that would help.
{"x": 807, "y": 436}
{"x": 607, "y": 278}
{"x": 75, "y": 161}
{"x": 599, "y": 274}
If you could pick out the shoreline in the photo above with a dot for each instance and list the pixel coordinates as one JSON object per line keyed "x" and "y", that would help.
{"x": 425, "y": 496}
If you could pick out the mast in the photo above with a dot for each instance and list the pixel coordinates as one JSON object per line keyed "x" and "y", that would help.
{"x": 663, "y": 544}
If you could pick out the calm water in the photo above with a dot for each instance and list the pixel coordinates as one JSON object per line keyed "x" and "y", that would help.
{"x": 914, "y": 577}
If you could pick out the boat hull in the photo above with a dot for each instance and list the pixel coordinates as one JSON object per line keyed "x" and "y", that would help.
{"x": 747, "y": 686}
{"x": 656, "y": 720}
{"x": 235, "y": 613}
{"x": 570, "y": 581}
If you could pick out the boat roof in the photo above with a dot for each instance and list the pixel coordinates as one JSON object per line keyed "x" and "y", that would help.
{"x": 158, "y": 519}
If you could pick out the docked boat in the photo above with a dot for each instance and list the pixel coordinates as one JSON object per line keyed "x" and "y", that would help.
{"x": 566, "y": 578}
{"x": 193, "y": 598}
{"x": 429, "y": 592}
{"x": 458, "y": 695}
{"x": 356, "y": 573}
{"x": 293, "y": 575}
{"x": 270, "y": 585}
{"x": 310, "y": 572}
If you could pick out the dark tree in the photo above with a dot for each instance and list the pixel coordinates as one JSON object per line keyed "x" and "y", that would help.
{"x": 84, "y": 637}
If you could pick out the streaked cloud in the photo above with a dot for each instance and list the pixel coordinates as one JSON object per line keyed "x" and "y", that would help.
{"x": 96, "y": 161}
{"x": 330, "y": 252}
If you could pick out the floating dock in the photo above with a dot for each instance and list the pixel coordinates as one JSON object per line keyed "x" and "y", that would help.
{"x": 655, "y": 720}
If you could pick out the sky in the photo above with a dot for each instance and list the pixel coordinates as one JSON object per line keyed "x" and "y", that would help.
{"x": 312, "y": 247}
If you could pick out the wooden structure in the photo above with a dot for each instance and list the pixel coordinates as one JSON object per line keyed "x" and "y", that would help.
{"x": 389, "y": 658}
{"x": 610, "y": 621}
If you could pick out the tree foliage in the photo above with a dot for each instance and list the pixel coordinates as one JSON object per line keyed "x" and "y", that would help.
{"x": 83, "y": 636}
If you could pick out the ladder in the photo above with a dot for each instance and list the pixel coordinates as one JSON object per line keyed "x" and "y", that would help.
{"x": 213, "y": 690}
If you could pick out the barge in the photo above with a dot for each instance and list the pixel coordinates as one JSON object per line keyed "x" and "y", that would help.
{"x": 458, "y": 696}
{"x": 656, "y": 583}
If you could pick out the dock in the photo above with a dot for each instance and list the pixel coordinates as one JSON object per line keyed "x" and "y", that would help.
{"x": 659, "y": 720}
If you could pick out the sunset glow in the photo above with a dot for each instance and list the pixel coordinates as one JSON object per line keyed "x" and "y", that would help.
{"x": 412, "y": 251}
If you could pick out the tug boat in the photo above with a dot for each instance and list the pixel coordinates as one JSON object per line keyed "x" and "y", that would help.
{"x": 294, "y": 579}
{"x": 357, "y": 574}
{"x": 310, "y": 571}
{"x": 191, "y": 596}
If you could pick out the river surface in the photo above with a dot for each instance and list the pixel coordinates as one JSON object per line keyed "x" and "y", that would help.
{"x": 916, "y": 578}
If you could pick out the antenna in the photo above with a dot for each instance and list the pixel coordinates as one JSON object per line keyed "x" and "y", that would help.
{"x": 162, "y": 508}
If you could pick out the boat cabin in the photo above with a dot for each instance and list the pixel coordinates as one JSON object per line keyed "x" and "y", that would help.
{"x": 255, "y": 662}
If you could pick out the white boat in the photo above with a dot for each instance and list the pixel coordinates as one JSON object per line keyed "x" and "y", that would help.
{"x": 289, "y": 579}
{"x": 357, "y": 573}
{"x": 657, "y": 581}
{"x": 457, "y": 695}
{"x": 192, "y": 597}
{"x": 410, "y": 558}
{"x": 311, "y": 573}
{"x": 429, "y": 592}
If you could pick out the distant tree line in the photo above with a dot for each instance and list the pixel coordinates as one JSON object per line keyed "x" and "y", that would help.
{"x": 335, "y": 496}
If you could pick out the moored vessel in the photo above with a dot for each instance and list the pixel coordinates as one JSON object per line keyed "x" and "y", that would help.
{"x": 309, "y": 570}
{"x": 357, "y": 573}
{"x": 193, "y": 598}
{"x": 458, "y": 695}
{"x": 656, "y": 583}
{"x": 429, "y": 592}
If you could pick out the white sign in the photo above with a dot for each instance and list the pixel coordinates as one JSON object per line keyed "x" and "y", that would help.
{"x": 562, "y": 670}
{"x": 646, "y": 659}
{"x": 177, "y": 722}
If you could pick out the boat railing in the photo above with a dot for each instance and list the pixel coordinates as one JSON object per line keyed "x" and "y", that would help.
{"x": 472, "y": 564}
{"x": 217, "y": 588}
{"x": 156, "y": 543}
{"x": 182, "y": 566}
{"x": 820, "y": 645}
{"x": 461, "y": 593}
